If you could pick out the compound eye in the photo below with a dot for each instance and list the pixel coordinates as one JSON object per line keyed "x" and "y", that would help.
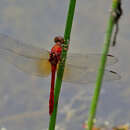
{"x": 56, "y": 39}
{"x": 59, "y": 39}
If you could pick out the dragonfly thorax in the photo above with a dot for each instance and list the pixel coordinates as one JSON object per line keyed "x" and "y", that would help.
{"x": 55, "y": 54}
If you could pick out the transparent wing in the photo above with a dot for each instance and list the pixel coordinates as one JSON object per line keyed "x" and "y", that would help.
{"x": 89, "y": 61}
{"x": 80, "y": 68}
{"x": 9, "y": 44}
{"x": 25, "y": 57}
{"x": 82, "y": 75}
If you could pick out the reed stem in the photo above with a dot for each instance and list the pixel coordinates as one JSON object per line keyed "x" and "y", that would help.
{"x": 100, "y": 74}
{"x": 60, "y": 71}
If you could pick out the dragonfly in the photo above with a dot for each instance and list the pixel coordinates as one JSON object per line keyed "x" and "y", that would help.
{"x": 79, "y": 68}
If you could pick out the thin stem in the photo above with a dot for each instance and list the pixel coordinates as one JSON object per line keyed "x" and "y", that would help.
{"x": 62, "y": 63}
{"x": 100, "y": 74}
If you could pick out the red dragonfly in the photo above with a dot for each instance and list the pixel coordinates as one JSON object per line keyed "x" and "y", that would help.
{"x": 35, "y": 61}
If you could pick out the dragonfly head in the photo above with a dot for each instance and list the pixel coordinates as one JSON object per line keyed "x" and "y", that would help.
{"x": 59, "y": 39}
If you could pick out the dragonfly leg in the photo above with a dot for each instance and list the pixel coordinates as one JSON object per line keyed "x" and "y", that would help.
{"x": 65, "y": 47}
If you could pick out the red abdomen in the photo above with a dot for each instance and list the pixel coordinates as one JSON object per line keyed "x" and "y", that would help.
{"x": 54, "y": 59}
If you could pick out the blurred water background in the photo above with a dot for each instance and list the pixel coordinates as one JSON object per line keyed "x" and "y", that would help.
{"x": 24, "y": 98}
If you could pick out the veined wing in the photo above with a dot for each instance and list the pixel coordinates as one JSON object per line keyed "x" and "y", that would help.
{"x": 89, "y": 61}
{"x": 11, "y": 45}
{"x": 25, "y": 57}
{"x": 82, "y": 75}
{"x": 35, "y": 60}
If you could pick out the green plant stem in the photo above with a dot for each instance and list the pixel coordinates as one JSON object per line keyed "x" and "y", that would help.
{"x": 60, "y": 71}
{"x": 100, "y": 74}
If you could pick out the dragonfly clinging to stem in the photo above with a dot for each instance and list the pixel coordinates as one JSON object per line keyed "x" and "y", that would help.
{"x": 40, "y": 62}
